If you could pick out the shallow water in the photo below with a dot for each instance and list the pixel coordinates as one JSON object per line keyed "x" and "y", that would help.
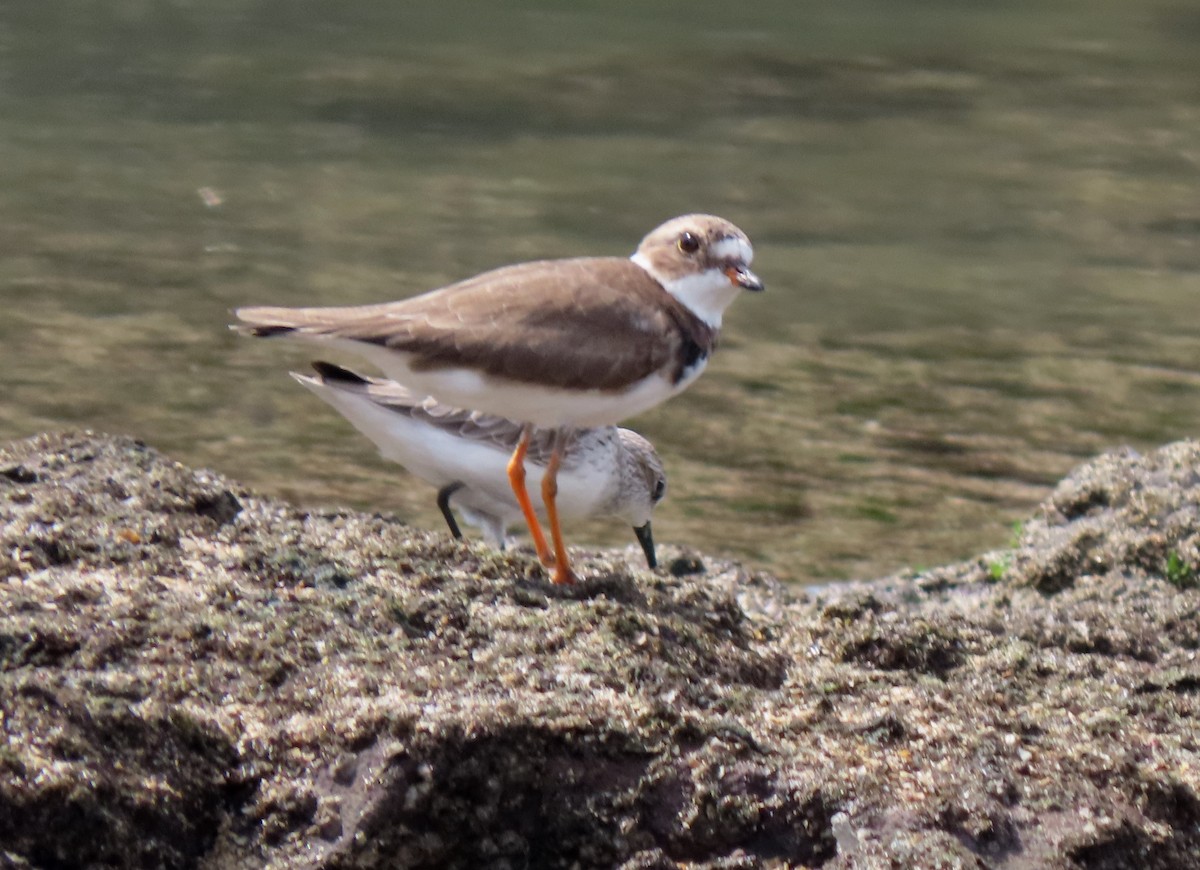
{"x": 979, "y": 227}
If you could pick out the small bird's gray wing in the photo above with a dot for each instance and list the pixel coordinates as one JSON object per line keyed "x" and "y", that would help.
{"x": 468, "y": 425}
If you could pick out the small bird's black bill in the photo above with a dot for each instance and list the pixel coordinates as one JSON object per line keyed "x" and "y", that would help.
{"x": 646, "y": 539}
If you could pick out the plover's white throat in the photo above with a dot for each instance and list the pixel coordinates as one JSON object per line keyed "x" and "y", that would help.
{"x": 606, "y": 472}
{"x": 556, "y": 343}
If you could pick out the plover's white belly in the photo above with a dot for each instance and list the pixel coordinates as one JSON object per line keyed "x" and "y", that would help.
{"x": 525, "y": 402}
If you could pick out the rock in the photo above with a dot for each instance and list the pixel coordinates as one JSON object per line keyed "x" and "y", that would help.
{"x": 193, "y": 675}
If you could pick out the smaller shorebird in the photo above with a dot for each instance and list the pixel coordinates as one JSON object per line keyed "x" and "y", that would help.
{"x": 557, "y": 344}
{"x": 606, "y": 471}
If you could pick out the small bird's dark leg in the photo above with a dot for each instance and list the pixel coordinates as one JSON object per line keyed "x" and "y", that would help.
{"x": 443, "y": 503}
{"x": 516, "y": 477}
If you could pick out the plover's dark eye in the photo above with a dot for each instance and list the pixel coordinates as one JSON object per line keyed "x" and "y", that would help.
{"x": 660, "y": 489}
{"x": 688, "y": 243}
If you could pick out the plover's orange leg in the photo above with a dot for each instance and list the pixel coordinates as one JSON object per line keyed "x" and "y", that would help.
{"x": 562, "y": 564}
{"x": 516, "y": 477}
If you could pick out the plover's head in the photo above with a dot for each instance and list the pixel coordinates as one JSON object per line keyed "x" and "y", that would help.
{"x": 701, "y": 260}
{"x": 643, "y": 485}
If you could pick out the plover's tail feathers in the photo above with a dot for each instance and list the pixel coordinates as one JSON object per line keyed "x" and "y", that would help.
{"x": 267, "y": 322}
{"x": 263, "y": 321}
{"x": 262, "y": 331}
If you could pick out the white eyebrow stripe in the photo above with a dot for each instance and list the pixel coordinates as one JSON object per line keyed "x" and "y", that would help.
{"x": 732, "y": 248}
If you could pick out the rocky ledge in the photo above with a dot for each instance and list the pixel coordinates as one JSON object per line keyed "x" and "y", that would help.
{"x": 193, "y": 675}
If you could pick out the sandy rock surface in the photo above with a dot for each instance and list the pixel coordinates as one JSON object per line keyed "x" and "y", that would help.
{"x": 193, "y": 675}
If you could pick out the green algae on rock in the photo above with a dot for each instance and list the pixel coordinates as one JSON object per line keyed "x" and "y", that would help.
{"x": 193, "y": 675}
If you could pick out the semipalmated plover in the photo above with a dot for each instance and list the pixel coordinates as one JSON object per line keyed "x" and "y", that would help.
{"x": 606, "y": 471}
{"x": 561, "y": 344}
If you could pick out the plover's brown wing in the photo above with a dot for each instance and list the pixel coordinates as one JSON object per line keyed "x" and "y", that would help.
{"x": 524, "y": 324}
{"x": 468, "y": 425}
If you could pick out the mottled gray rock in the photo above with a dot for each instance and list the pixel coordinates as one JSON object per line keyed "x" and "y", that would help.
{"x": 192, "y": 675}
